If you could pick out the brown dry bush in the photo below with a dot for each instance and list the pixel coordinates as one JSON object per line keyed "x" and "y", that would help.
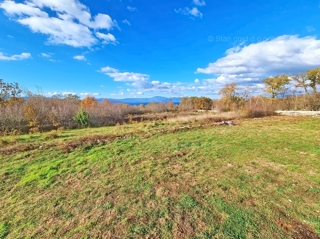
{"x": 12, "y": 119}
{"x": 221, "y": 106}
{"x": 62, "y": 112}
{"x": 37, "y": 112}
{"x": 296, "y": 101}
{"x": 259, "y": 106}
{"x": 195, "y": 103}
{"x": 106, "y": 113}
{"x": 44, "y": 114}
{"x": 155, "y": 108}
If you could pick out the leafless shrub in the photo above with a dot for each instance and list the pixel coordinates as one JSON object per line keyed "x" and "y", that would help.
{"x": 259, "y": 107}
{"x": 12, "y": 118}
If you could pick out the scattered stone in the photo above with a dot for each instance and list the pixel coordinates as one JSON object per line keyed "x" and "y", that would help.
{"x": 228, "y": 123}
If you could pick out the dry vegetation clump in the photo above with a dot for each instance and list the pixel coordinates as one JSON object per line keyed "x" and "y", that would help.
{"x": 310, "y": 102}
{"x": 53, "y": 134}
{"x": 206, "y": 117}
{"x": 258, "y": 107}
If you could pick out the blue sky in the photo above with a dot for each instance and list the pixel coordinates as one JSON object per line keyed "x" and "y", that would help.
{"x": 135, "y": 48}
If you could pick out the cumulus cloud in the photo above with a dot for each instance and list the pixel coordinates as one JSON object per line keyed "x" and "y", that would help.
{"x": 199, "y": 2}
{"x": 22, "y": 56}
{"x": 141, "y": 82}
{"x": 189, "y": 12}
{"x": 80, "y": 58}
{"x": 27, "y": 8}
{"x": 243, "y": 64}
{"x": 71, "y": 24}
{"x": 284, "y": 54}
{"x": 107, "y": 38}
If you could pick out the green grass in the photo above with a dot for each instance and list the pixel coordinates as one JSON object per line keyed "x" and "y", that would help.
{"x": 259, "y": 179}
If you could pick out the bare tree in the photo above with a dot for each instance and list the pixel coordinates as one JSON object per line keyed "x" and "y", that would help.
{"x": 301, "y": 81}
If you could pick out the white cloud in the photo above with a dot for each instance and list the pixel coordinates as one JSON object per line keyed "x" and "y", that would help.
{"x": 13, "y": 8}
{"x": 141, "y": 82}
{"x": 46, "y": 55}
{"x": 73, "y": 9}
{"x": 125, "y": 76}
{"x": 68, "y": 93}
{"x": 80, "y": 58}
{"x": 61, "y": 31}
{"x": 284, "y": 54}
{"x": 52, "y": 93}
{"x": 244, "y": 65}
{"x": 132, "y": 9}
{"x": 89, "y": 94}
{"x": 22, "y": 56}
{"x": 107, "y": 38}
{"x": 189, "y": 12}
{"x": 138, "y": 83}
{"x": 125, "y": 21}
{"x": 199, "y": 2}
{"x": 72, "y": 23}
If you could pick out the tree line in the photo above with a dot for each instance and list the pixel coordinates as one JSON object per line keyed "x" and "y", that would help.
{"x": 277, "y": 84}
{"x": 36, "y": 112}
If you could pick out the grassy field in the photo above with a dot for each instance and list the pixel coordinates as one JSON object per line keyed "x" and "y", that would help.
{"x": 258, "y": 179}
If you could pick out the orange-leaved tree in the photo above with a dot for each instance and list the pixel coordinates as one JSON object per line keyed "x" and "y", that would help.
{"x": 89, "y": 102}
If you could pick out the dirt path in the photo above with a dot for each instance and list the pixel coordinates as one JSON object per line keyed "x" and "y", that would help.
{"x": 299, "y": 113}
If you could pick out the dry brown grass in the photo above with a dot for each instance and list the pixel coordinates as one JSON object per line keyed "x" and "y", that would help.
{"x": 207, "y": 116}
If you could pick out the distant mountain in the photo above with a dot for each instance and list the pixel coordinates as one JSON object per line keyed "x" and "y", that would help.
{"x": 144, "y": 101}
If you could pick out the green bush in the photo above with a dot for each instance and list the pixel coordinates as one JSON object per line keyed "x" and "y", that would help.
{"x": 82, "y": 118}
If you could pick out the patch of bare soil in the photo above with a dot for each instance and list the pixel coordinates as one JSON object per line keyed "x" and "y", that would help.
{"x": 299, "y": 230}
